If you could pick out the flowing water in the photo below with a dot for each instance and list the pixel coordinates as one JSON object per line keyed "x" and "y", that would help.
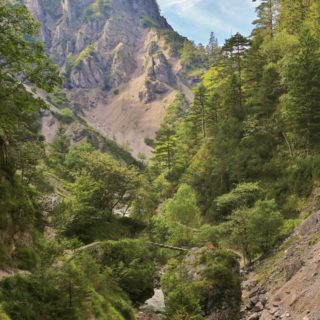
{"x": 153, "y": 307}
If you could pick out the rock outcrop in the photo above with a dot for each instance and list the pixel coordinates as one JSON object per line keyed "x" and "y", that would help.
{"x": 207, "y": 268}
{"x": 289, "y": 280}
{"x": 119, "y": 72}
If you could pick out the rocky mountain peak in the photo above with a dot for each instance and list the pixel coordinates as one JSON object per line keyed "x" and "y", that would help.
{"x": 120, "y": 74}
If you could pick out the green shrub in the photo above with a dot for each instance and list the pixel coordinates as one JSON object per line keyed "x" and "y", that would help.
{"x": 245, "y": 194}
{"x": 207, "y": 234}
{"x": 26, "y": 258}
{"x": 58, "y": 98}
{"x": 65, "y": 115}
{"x": 132, "y": 266}
{"x": 3, "y": 315}
{"x": 99, "y": 8}
{"x": 4, "y": 255}
{"x": 149, "y": 142}
{"x": 182, "y": 216}
{"x": 184, "y": 303}
{"x": 255, "y": 230}
{"x": 72, "y": 290}
{"x": 148, "y": 22}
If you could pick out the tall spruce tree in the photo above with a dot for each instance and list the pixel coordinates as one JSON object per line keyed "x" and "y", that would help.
{"x": 166, "y": 148}
{"x": 199, "y": 110}
{"x": 213, "y": 49}
{"x": 234, "y": 51}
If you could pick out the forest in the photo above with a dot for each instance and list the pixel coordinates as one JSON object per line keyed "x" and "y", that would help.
{"x": 83, "y": 231}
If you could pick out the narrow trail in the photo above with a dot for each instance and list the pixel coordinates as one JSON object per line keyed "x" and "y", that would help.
{"x": 71, "y": 253}
{"x": 4, "y": 274}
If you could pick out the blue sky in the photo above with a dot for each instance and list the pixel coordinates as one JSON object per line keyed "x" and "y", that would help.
{"x": 195, "y": 19}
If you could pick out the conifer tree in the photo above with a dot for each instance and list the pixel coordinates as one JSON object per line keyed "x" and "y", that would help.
{"x": 292, "y": 14}
{"x": 213, "y": 49}
{"x": 267, "y": 16}
{"x": 303, "y": 85}
{"x": 213, "y": 43}
{"x": 165, "y": 149}
{"x": 199, "y": 110}
{"x": 234, "y": 51}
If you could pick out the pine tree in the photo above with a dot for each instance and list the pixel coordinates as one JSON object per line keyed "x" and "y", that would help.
{"x": 267, "y": 13}
{"x": 213, "y": 43}
{"x": 234, "y": 51}
{"x": 199, "y": 110}
{"x": 213, "y": 49}
{"x": 165, "y": 149}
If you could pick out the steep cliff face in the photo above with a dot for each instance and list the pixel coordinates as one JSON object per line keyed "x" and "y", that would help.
{"x": 119, "y": 72}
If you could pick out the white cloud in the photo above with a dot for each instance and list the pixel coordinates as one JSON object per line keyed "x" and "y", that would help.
{"x": 224, "y": 17}
{"x": 183, "y": 5}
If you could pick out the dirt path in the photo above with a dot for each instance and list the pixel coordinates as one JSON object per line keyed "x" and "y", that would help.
{"x": 11, "y": 273}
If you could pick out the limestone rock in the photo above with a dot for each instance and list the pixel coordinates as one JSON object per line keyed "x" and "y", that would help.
{"x": 107, "y": 54}
{"x": 123, "y": 65}
{"x": 254, "y": 316}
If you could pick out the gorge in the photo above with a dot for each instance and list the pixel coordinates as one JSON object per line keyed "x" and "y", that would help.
{"x": 146, "y": 177}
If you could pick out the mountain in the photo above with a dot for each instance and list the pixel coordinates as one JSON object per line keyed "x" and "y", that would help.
{"x": 121, "y": 71}
{"x": 223, "y": 224}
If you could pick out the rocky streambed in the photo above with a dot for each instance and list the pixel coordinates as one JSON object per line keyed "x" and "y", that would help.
{"x": 153, "y": 307}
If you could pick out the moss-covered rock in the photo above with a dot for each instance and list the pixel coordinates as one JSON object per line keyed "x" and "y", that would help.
{"x": 206, "y": 283}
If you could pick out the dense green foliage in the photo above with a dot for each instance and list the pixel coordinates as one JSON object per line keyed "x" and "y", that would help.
{"x": 59, "y": 279}
{"x": 217, "y": 285}
{"x": 75, "y": 289}
{"x": 22, "y": 60}
{"x": 253, "y": 118}
{"x": 180, "y": 218}
{"x": 80, "y": 227}
{"x": 244, "y": 156}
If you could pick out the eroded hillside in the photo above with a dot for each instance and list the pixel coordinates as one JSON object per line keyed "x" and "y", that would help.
{"x": 286, "y": 284}
{"x": 121, "y": 74}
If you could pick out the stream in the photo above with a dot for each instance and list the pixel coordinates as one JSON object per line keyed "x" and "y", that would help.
{"x": 153, "y": 307}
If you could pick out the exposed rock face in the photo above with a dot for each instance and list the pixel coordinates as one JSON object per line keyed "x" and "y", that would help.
{"x": 206, "y": 267}
{"x": 155, "y": 304}
{"x": 119, "y": 75}
{"x": 50, "y": 125}
{"x": 160, "y": 78}
{"x": 218, "y": 303}
{"x": 291, "y": 289}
